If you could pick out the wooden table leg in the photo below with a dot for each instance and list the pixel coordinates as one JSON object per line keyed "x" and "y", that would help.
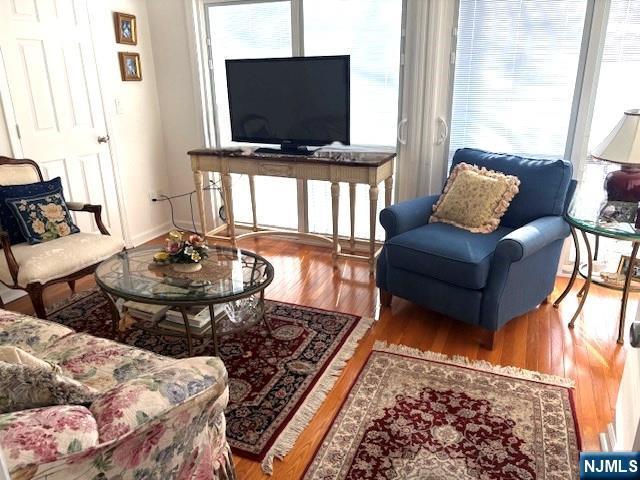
{"x": 335, "y": 202}
{"x": 352, "y": 215}
{"x": 187, "y": 329}
{"x": 574, "y": 273}
{"x": 625, "y": 292}
{"x": 587, "y": 284}
{"x": 373, "y": 209}
{"x": 388, "y": 190}
{"x": 228, "y": 206}
{"x": 252, "y": 194}
{"x": 197, "y": 178}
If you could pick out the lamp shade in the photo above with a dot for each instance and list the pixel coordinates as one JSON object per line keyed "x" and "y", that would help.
{"x": 622, "y": 145}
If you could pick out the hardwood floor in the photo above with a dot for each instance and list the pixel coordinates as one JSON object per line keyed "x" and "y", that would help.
{"x": 539, "y": 340}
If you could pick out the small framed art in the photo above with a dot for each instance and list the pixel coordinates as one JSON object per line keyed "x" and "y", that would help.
{"x": 623, "y": 267}
{"x": 126, "y": 28}
{"x": 130, "y": 66}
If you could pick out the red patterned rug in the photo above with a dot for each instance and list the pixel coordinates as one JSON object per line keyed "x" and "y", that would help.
{"x": 420, "y": 415}
{"x": 277, "y": 380}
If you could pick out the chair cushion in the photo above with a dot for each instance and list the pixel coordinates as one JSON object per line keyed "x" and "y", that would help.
{"x": 447, "y": 253}
{"x": 42, "y": 435}
{"x": 58, "y": 258}
{"x": 543, "y": 183}
{"x": 40, "y": 210}
{"x": 475, "y": 198}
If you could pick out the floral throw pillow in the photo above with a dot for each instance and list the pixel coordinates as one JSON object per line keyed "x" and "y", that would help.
{"x": 40, "y": 210}
{"x": 475, "y": 198}
{"x": 23, "y": 387}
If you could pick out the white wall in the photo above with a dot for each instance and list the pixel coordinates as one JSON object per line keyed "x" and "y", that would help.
{"x": 136, "y": 127}
{"x": 178, "y": 94}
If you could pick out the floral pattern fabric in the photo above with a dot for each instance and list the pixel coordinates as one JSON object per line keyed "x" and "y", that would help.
{"x": 101, "y": 363}
{"x": 30, "y": 334}
{"x": 475, "y": 199}
{"x": 155, "y": 418}
{"x": 23, "y": 387}
{"x": 45, "y": 434}
{"x": 128, "y": 405}
{"x": 41, "y": 216}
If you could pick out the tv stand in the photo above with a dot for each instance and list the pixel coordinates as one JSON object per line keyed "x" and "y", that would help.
{"x": 367, "y": 167}
{"x": 286, "y": 149}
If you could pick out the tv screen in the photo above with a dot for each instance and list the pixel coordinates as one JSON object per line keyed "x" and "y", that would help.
{"x": 290, "y": 101}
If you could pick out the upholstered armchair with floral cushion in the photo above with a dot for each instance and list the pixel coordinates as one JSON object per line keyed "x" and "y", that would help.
{"x": 152, "y": 417}
{"x": 64, "y": 257}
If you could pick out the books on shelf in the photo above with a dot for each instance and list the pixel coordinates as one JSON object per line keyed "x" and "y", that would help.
{"x": 171, "y": 319}
{"x": 145, "y": 311}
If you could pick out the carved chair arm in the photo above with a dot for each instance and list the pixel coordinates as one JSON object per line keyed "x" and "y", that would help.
{"x": 11, "y": 260}
{"x": 95, "y": 209}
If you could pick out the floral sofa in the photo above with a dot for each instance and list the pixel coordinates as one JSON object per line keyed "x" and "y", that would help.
{"x": 153, "y": 417}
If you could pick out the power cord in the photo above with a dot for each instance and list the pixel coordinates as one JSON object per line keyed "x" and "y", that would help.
{"x": 162, "y": 198}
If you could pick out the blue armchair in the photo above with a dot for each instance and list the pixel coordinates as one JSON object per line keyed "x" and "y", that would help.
{"x": 481, "y": 279}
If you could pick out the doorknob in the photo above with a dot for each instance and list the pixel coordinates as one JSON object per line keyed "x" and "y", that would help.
{"x": 103, "y": 139}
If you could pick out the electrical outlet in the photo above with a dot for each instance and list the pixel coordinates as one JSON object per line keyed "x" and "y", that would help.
{"x": 155, "y": 195}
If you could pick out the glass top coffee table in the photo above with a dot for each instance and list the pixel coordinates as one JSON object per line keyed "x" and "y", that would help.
{"x": 228, "y": 276}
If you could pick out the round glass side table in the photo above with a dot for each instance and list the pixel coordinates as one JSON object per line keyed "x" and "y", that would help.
{"x": 228, "y": 275}
{"x": 584, "y": 218}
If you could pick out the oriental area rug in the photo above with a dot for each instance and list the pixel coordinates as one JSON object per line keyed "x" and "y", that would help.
{"x": 277, "y": 378}
{"x": 421, "y": 415}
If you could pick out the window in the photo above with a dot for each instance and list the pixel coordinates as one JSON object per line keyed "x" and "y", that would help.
{"x": 252, "y": 30}
{"x": 369, "y": 31}
{"x": 617, "y": 91}
{"x": 515, "y": 74}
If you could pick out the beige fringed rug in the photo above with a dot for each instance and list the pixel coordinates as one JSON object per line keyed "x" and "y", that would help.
{"x": 421, "y": 415}
{"x": 278, "y": 376}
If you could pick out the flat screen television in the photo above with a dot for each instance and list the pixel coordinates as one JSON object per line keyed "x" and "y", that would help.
{"x": 294, "y": 102}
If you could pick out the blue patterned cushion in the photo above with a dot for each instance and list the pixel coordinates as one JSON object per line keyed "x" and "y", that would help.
{"x": 39, "y": 211}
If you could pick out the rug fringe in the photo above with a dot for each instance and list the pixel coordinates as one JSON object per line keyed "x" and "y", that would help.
{"x": 301, "y": 419}
{"x": 482, "y": 365}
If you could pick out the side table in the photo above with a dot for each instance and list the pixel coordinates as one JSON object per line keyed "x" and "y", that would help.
{"x": 618, "y": 231}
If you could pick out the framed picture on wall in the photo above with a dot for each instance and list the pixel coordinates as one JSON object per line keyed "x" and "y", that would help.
{"x": 130, "y": 66}
{"x": 126, "y": 28}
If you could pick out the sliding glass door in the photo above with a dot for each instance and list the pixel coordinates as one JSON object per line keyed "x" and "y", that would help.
{"x": 522, "y": 75}
{"x": 515, "y": 73}
{"x": 367, "y": 30}
{"x": 251, "y": 30}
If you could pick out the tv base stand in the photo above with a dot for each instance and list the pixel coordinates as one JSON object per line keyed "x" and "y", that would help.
{"x": 353, "y": 167}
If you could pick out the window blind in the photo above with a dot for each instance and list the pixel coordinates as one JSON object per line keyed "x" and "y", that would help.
{"x": 369, "y": 31}
{"x": 515, "y": 74}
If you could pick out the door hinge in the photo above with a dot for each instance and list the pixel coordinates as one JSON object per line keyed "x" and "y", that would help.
{"x": 208, "y": 41}
{"x": 210, "y": 64}
{"x": 18, "y": 131}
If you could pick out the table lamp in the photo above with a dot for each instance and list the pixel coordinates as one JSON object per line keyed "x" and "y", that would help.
{"x": 622, "y": 146}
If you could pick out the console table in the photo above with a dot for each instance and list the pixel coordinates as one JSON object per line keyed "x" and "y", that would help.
{"x": 353, "y": 167}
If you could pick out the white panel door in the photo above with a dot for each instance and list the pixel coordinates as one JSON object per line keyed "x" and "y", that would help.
{"x": 53, "y": 83}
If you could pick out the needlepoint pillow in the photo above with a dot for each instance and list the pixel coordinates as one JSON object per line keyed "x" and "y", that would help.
{"x": 475, "y": 198}
{"x": 39, "y": 210}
